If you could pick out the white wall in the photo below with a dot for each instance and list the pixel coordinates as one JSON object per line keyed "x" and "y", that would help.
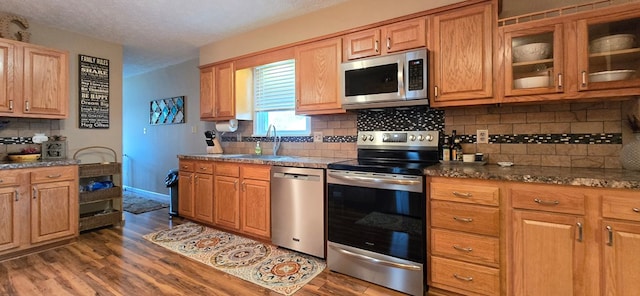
{"x": 150, "y": 155}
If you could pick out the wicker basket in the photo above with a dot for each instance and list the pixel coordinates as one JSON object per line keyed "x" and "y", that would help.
{"x": 99, "y": 169}
{"x": 99, "y": 195}
{"x": 99, "y": 219}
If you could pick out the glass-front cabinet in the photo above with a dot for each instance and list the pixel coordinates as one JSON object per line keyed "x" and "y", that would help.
{"x": 533, "y": 59}
{"x": 608, "y": 51}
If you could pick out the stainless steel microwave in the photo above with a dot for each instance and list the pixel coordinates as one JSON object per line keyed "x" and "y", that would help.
{"x": 385, "y": 81}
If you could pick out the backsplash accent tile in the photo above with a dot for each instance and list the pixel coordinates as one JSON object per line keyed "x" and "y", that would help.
{"x": 420, "y": 118}
{"x": 615, "y": 138}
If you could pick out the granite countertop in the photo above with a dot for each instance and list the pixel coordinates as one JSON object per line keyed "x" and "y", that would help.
{"x": 279, "y": 160}
{"x": 8, "y": 165}
{"x": 604, "y": 178}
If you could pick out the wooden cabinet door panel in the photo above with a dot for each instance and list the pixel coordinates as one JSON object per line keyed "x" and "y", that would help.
{"x": 203, "y": 195}
{"x": 7, "y": 77}
{"x": 226, "y": 202}
{"x": 474, "y": 194}
{"x": 317, "y": 77}
{"x": 464, "y": 217}
{"x": 185, "y": 193}
{"x": 467, "y": 247}
{"x": 54, "y": 211}
{"x": 480, "y": 280}
{"x": 404, "y": 35}
{"x": 362, "y": 44}
{"x": 621, "y": 260}
{"x": 256, "y": 207}
{"x": 547, "y": 254}
{"x": 462, "y": 54}
{"x": 45, "y": 89}
{"x": 9, "y": 218}
{"x": 207, "y": 79}
{"x": 224, "y": 91}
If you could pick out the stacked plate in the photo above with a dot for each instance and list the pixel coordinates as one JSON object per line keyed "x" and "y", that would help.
{"x": 531, "y": 52}
{"x": 611, "y": 75}
{"x": 612, "y": 43}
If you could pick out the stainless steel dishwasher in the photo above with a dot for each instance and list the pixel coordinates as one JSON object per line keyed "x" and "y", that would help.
{"x": 297, "y": 209}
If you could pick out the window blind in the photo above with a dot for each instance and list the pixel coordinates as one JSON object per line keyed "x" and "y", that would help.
{"x": 275, "y": 86}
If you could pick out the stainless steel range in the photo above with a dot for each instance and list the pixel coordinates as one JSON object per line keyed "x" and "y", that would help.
{"x": 377, "y": 207}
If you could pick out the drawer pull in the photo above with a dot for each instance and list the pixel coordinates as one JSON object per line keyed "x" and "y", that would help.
{"x": 636, "y": 210}
{"x": 609, "y": 235}
{"x": 460, "y": 194}
{"x": 463, "y": 278}
{"x": 466, "y": 220}
{"x": 579, "y": 231}
{"x": 54, "y": 176}
{"x": 546, "y": 202}
{"x": 463, "y": 249}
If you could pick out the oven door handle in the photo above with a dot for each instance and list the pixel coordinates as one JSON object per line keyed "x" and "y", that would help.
{"x": 376, "y": 180}
{"x": 377, "y": 261}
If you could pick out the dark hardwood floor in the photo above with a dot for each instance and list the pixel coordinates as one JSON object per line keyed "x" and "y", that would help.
{"x": 118, "y": 261}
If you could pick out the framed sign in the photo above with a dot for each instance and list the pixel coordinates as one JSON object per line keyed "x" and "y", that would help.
{"x": 167, "y": 111}
{"x": 94, "y": 92}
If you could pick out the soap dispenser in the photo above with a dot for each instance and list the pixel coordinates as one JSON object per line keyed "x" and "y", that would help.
{"x": 258, "y": 148}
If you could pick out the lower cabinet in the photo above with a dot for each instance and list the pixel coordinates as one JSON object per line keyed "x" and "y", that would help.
{"x": 39, "y": 207}
{"x": 195, "y": 186}
{"x": 242, "y": 200}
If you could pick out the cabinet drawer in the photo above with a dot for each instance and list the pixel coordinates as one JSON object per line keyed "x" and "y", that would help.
{"x": 227, "y": 169}
{"x": 476, "y": 194}
{"x": 204, "y": 167}
{"x": 53, "y": 174}
{"x": 471, "y": 277}
{"x": 260, "y": 172}
{"x": 10, "y": 177}
{"x": 467, "y": 247}
{"x": 625, "y": 207}
{"x": 467, "y": 218}
{"x": 187, "y": 166}
{"x": 548, "y": 198}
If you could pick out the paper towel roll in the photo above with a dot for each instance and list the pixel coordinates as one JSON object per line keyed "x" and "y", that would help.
{"x": 227, "y": 126}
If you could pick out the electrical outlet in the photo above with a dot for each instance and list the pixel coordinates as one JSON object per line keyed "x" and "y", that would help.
{"x": 482, "y": 136}
{"x": 144, "y": 130}
{"x": 317, "y": 136}
{"x": 239, "y": 137}
{"x": 194, "y": 129}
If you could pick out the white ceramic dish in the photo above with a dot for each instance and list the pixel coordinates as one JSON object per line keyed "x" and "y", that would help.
{"x": 531, "y": 82}
{"x": 531, "y": 52}
{"x": 611, "y": 75}
{"x": 505, "y": 163}
{"x": 612, "y": 42}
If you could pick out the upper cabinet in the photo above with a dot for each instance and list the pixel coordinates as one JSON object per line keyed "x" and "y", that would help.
{"x": 461, "y": 45}
{"x": 386, "y": 39}
{"x": 33, "y": 81}
{"x": 217, "y": 92}
{"x": 591, "y": 54}
{"x": 317, "y": 77}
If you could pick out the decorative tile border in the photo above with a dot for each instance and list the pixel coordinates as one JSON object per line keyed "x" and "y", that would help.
{"x": 419, "y": 118}
{"x": 615, "y": 138}
{"x": 15, "y": 140}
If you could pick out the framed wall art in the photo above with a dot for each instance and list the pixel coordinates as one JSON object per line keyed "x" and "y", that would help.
{"x": 167, "y": 111}
{"x": 94, "y": 92}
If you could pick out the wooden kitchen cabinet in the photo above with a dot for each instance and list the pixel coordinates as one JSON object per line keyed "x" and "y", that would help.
{"x": 39, "y": 208}
{"x": 464, "y": 236}
{"x": 203, "y": 191}
{"x": 186, "y": 176}
{"x": 620, "y": 243}
{"x": 462, "y": 56}
{"x": 217, "y": 92}
{"x": 386, "y": 39}
{"x": 318, "y": 77}
{"x": 11, "y": 199}
{"x": 242, "y": 198}
{"x": 33, "y": 81}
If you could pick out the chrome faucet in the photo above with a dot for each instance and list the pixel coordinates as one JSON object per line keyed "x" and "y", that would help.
{"x": 276, "y": 140}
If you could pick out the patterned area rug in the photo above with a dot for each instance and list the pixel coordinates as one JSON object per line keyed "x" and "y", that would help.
{"x": 277, "y": 269}
{"x": 135, "y": 204}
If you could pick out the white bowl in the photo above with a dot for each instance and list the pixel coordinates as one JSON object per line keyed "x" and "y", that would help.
{"x": 611, "y": 75}
{"x": 531, "y": 82}
{"x": 531, "y": 52}
{"x": 612, "y": 42}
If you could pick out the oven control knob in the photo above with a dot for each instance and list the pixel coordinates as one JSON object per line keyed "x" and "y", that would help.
{"x": 412, "y": 137}
{"x": 429, "y": 137}
{"x": 385, "y": 137}
{"x": 364, "y": 138}
{"x": 371, "y": 138}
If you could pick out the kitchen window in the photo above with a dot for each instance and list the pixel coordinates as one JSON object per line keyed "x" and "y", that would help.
{"x": 274, "y": 87}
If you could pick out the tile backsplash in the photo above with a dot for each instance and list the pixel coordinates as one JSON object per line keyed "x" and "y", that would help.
{"x": 553, "y": 134}
{"x": 16, "y": 133}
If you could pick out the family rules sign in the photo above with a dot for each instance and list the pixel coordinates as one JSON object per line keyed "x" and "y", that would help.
{"x": 94, "y": 92}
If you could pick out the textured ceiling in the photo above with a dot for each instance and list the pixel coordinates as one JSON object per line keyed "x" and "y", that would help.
{"x": 158, "y": 33}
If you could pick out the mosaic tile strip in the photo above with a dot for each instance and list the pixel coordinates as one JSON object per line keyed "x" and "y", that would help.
{"x": 419, "y": 118}
{"x": 302, "y": 139}
{"x": 15, "y": 140}
{"x": 340, "y": 139}
{"x": 615, "y": 138}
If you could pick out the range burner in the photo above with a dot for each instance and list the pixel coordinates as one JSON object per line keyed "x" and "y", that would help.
{"x": 393, "y": 152}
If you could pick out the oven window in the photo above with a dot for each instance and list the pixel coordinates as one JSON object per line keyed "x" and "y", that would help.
{"x": 370, "y": 81}
{"x": 389, "y": 222}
